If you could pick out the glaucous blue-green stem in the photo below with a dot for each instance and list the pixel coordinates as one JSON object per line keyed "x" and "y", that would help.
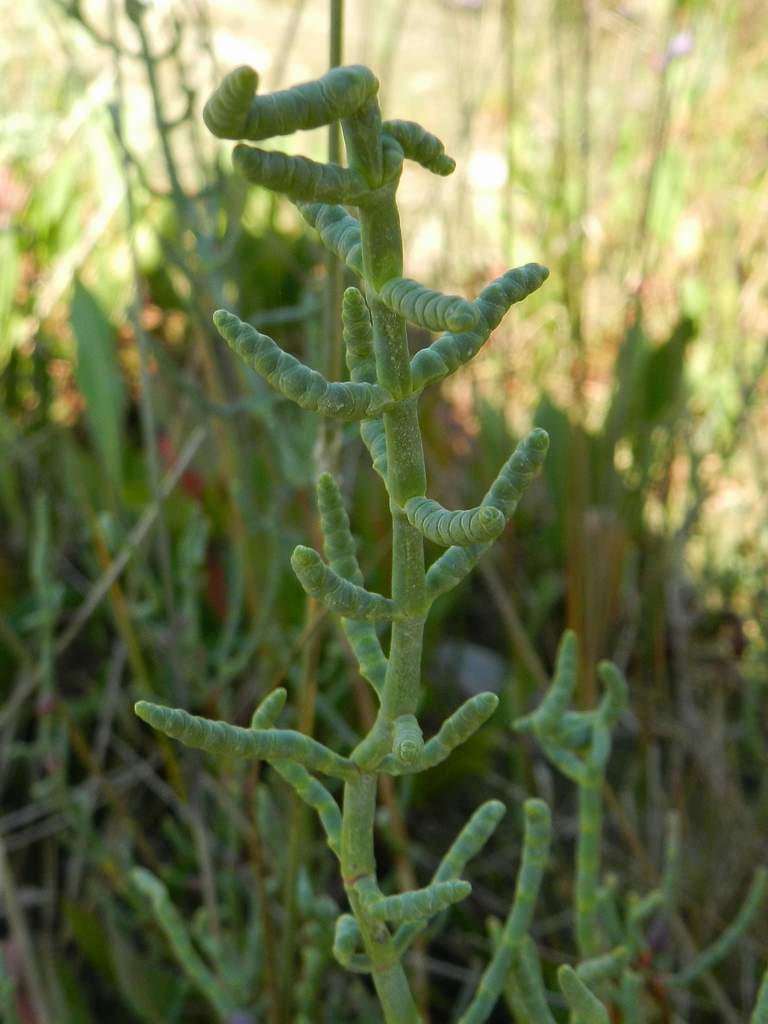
{"x": 586, "y": 1007}
{"x": 524, "y": 985}
{"x": 579, "y": 744}
{"x": 383, "y": 395}
{"x": 168, "y": 918}
{"x": 714, "y": 953}
{"x": 631, "y": 996}
{"x": 584, "y": 765}
{"x": 536, "y": 840}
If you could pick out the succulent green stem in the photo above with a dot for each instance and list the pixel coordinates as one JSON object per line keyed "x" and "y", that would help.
{"x": 383, "y": 395}
{"x": 538, "y": 830}
{"x": 724, "y": 943}
{"x": 358, "y": 865}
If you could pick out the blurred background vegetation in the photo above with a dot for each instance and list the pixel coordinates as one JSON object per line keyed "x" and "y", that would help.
{"x": 151, "y": 490}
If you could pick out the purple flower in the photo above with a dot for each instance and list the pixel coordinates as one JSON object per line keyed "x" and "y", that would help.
{"x": 680, "y": 45}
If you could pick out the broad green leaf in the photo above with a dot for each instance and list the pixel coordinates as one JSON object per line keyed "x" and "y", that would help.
{"x": 99, "y": 379}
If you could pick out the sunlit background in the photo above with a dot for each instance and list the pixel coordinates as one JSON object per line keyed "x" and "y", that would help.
{"x": 151, "y": 490}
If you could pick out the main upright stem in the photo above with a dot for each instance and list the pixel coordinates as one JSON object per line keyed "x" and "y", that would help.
{"x": 406, "y": 478}
{"x": 383, "y": 391}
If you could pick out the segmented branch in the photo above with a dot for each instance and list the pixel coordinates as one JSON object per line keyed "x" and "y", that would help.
{"x": 546, "y": 719}
{"x": 426, "y": 308}
{"x": 512, "y": 287}
{"x": 525, "y": 983}
{"x": 307, "y": 788}
{"x": 347, "y": 941}
{"x": 338, "y": 594}
{"x": 316, "y": 796}
{"x": 450, "y": 351}
{"x": 587, "y": 769}
{"x": 601, "y": 968}
{"x": 454, "y": 731}
{"x": 536, "y": 840}
{"x": 518, "y": 471}
{"x": 465, "y": 846}
{"x": 226, "y": 112}
{"x": 361, "y": 362}
{"x": 481, "y": 525}
{"x": 308, "y": 388}
{"x": 504, "y": 494}
{"x": 375, "y": 440}
{"x": 615, "y": 697}
{"x": 407, "y": 740}
{"x": 420, "y": 146}
{"x": 338, "y": 543}
{"x": 339, "y": 231}
{"x": 457, "y": 729}
{"x": 232, "y": 740}
{"x": 298, "y": 177}
{"x": 470, "y": 841}
{"x": 339, "y": 547}
{"x": 172, "y": 924}
{"x": 358, "y": 336}
{"x": 235, "y": 112}
{"x": 269, "y": 709}
{"x": 420, "y": 903}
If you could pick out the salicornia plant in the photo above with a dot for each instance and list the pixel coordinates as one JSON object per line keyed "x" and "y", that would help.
{"x": 615, "y": 961}
{"x": 383, "y": 395}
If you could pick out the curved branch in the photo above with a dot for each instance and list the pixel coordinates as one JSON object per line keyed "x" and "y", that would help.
{"x": 298, "y": 177}
{"x": 338, "y": 594}
{"x": 339, "y": 547}
{"x": 420, "y": 146}
{"x": 481, "y": 525}
{"x": 419, "y": 903}
{"x": 450, "y": 351}
{"x": 465, "y": 846}
{"x": 346, "y": 943}
{"x": 308, "y": 388}
{"x": 235, "y": 112}
{"x": 536, "y": 840}
{"x": 232, "y": 740}
{"x": 454, "y": 731}
{"x": 432, "y": 310}
{"x": 504, "y": 494}
{"x": 339, "y": 231}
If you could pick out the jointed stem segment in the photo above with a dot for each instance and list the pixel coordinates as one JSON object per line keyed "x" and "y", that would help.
{"x": 266, "y": 744}
{"x": 538, "y": 830}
